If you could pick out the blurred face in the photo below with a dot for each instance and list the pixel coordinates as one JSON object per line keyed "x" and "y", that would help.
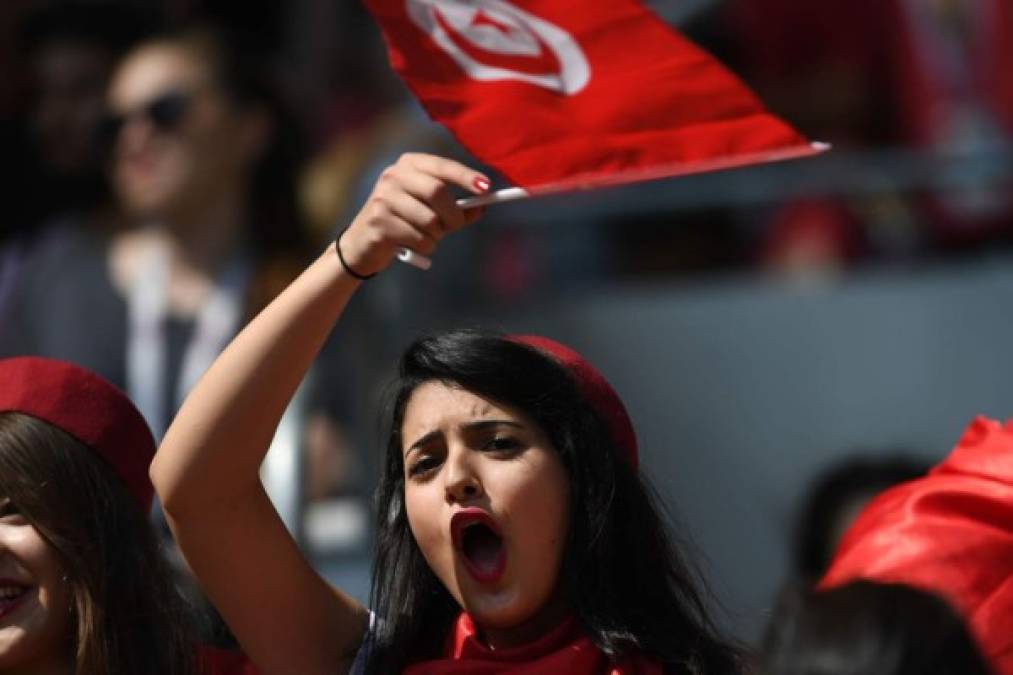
{"x": 35, "y": 599}
{"x": 487, "y": 501}
{"x": 178, "y": 143}
{"x": 70, "y": 80}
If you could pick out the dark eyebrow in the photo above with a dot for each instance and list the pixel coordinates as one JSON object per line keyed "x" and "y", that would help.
{"x": 491, "y": 424}
{"x": 422, "y": 441}
{"x": 480, "y": 425}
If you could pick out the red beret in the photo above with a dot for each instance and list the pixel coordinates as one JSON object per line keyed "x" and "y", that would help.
{"x": 594, "y": 387}
{"x": 88, "y": 408}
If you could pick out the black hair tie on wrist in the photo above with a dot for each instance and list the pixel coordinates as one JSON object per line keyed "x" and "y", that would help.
{"x": 337, "y": 247}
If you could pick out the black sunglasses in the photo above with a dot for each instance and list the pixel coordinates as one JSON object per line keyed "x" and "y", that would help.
{"x": 164, "y": 112}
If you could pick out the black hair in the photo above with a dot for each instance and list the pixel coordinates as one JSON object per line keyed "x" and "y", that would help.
{"x": 626, "y": 583}
{"x": 42, "y": 189}
{"x": 111, "y": 25}
{"x": 858, "y": 477}
{"x": 868, "y": 628}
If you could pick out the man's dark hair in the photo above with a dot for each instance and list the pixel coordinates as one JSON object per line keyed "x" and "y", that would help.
{"x": 868, "y": 628}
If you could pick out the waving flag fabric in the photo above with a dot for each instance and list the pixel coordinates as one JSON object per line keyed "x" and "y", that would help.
{"x": 560, "y": 94}
{"x": 950, "y": 533}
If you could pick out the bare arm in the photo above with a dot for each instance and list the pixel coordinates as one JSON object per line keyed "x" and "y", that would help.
{"x": 287, "y": 618}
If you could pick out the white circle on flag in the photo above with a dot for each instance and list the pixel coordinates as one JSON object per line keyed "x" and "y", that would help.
{"x": 496, "y": 40}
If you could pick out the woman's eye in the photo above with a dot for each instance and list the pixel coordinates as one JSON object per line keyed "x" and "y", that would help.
{"x": 503, "y": 444}
{"x": 422, "y": 466}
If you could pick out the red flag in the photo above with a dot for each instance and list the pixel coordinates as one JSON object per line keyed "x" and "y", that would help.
{"x": 950, "y": 533}
{"x": 558, "y": 95}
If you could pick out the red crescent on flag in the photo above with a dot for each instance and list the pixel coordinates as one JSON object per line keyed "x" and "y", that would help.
{"x": 545, "y": 63}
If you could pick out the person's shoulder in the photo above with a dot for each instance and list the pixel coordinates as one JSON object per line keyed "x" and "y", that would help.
{"x": 62, "y": 245}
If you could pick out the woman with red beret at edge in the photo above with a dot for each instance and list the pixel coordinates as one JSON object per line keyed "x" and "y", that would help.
{"x": 84, "y": 588}
{"x": 515, "y": 534}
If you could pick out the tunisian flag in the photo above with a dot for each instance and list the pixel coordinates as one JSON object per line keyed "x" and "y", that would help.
{"x": 557, "y": 94}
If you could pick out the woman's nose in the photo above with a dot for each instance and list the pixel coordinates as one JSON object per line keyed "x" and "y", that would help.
{"x": 463, "y": 483}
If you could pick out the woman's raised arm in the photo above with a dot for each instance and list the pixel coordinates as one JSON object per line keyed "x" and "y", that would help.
{"x": 286, "y": 617}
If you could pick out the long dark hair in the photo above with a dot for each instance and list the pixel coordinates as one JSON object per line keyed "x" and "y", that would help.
{"x": 128, "y": 617}
{"x": 868, "y": 628}
{"x": 625, "y": 581}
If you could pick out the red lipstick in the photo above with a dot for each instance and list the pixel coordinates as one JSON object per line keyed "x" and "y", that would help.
{"x": 479, "y": 540}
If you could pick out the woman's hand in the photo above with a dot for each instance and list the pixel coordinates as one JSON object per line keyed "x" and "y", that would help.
{"x": 412, "y": 206}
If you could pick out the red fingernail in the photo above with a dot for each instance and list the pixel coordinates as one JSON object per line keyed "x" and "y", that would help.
{"x": 481, "y": 184}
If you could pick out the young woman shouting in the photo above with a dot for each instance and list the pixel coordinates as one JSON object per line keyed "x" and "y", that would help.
{"x": 515, "y": 534}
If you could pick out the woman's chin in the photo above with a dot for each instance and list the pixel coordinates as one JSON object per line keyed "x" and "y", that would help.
{"x": 500, "y": 608}
{"x": 506, "y": 620}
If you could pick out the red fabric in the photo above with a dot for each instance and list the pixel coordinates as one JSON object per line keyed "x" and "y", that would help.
{"x": 88, "y": 408}
{"x": 564, "y": 650}
{"x": 995, "y": 77}
{"x": 950, "y": 533}
{"x": 956, "y": 93}
{"x": 825, "y": 65}
{"x": 930, "y": 95}
{"x": 814, "y": 232}
{"x": 595, "y": 388}
{"x": 652, "y": 104}
{"x": 782, "y": 39}
{"x": 213, "y": 661}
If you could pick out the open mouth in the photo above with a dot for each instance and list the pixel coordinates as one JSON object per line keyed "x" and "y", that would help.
{"x": 477, "y": 537}
{"x": 11, "y": 595}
